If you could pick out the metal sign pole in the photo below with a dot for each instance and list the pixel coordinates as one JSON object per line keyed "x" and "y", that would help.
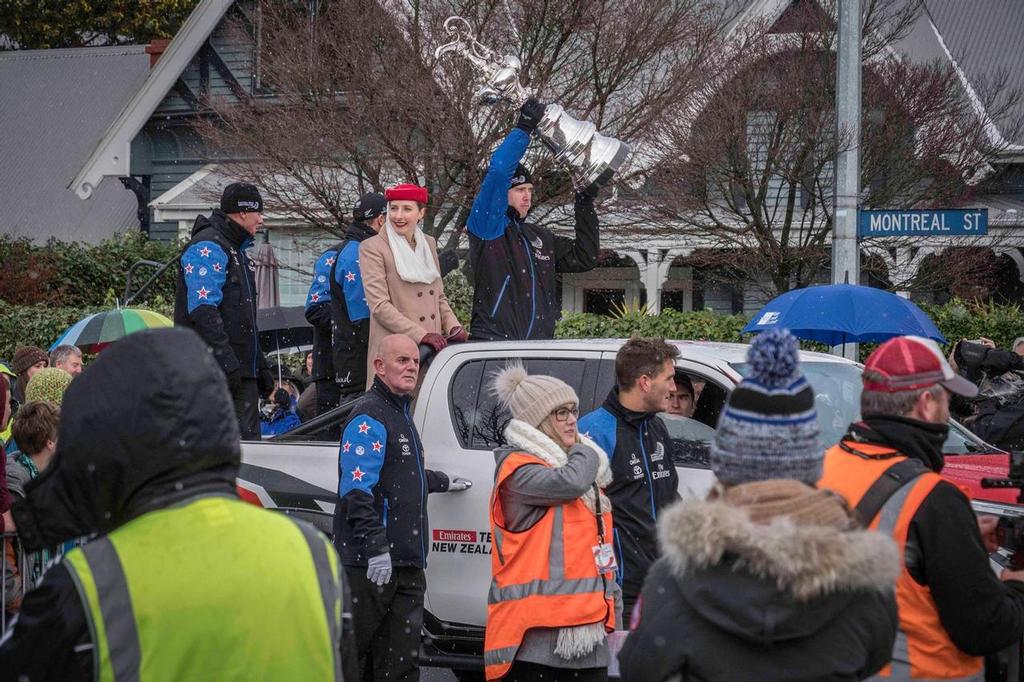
{"x": 845, "y": 252}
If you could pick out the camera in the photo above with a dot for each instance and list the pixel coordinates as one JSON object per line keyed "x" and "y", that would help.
{"x": 1010, "y": 530}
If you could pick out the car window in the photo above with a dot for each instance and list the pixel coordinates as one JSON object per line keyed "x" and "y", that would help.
{"x": 478, "y": 418}
{"x": 691, "y": 441}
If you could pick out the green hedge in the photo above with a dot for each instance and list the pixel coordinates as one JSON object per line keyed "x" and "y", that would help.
{"x": 81, "y": 275}
{"x": 41, "y": 324}
{"x": 671, "y": 324}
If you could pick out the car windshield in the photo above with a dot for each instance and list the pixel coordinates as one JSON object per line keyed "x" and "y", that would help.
{"x": 837, "y": 396}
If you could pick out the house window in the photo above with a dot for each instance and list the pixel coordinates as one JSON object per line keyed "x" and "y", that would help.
{"x": 296, "y": 253}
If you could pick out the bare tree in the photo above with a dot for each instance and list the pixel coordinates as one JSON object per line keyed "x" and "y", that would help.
{"x": 356, "y": 100}
{"x": 752, "y": 179}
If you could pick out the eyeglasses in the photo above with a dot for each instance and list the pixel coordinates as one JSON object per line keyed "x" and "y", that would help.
{"x": 562, "y": 413}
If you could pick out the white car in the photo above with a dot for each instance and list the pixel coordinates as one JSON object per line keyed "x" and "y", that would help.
{"x": 460, "y": 423}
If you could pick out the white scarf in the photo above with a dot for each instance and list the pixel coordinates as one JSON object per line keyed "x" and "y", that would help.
{"x": 519, "y": 434}
{"x": 415, "y": 267}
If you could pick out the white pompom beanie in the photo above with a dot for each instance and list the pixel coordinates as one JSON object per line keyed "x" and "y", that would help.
{"x": 529, "y": 398}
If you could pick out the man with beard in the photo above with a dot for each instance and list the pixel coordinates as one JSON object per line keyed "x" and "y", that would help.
{"x": 953, "y": 609}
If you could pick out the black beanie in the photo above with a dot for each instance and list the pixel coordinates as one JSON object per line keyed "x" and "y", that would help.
{"x": 239, "y": 197}
{"x": 369, "y": 206}
{"x": 521, "y": 177}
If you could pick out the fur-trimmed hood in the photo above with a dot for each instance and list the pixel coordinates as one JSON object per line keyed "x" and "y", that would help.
{"x": 775, "y": 581}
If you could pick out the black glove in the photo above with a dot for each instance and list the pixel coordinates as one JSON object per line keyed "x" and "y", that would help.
{"x": 448, "y": 260}
{"x": 234, "y": 380}
{"x": 588, "y": 193}
{"x": 529, "y": 115}
{"x": 265, "y": 381}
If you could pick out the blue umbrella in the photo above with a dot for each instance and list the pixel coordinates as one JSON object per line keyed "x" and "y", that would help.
{"x": 844, "y": 313}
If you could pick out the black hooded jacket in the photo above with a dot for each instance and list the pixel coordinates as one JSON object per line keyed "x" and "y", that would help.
{"x": 216, "y": 294}
{"x": 733, "y": 600}
{"x": 98, "y": 480}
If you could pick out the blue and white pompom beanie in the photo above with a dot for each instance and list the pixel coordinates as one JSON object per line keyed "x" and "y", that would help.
{"x": 769, "y": 427}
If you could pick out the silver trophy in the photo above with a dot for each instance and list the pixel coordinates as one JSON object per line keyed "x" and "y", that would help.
{"x": 592, "y": 158}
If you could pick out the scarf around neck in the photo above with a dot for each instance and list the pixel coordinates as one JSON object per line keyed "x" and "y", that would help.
{"x": 414, "y": 266}
{"x": 521, "y": 435}
{"x": 921, "y": 440}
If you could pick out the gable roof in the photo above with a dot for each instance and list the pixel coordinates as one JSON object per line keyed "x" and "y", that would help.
{"x": 981, "y": 37}
{"x": 54, "y": 104}
{"x": 111, "y": 155}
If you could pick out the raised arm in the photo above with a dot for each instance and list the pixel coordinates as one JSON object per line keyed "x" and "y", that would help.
{"x": 487, "y": 219}
{"x": 579, "y": 254}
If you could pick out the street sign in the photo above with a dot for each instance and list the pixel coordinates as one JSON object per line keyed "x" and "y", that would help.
{"x": 923, "y": 223}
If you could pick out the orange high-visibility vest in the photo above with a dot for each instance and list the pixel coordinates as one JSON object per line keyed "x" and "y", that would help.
{"x": 543, "y": 577}
{"x": 923, "y": 649}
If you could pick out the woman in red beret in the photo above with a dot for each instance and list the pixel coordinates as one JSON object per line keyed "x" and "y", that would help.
{"x": 402, "y": 278}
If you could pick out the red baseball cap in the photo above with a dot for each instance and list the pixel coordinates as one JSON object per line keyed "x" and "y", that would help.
{"x": 406, "y": 192}
{"x": 909, "y": 363}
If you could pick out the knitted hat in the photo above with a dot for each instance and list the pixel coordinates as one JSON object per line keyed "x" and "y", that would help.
{"x": 521, "y": 177}
{"x": 47, "y": 384}
{"x": 769, "y": 427}
{"x": 241, "y": 197}
{"x": 26, "y": 356}
{"x": 531, "y": 399}
{"x": 406, "y": 192}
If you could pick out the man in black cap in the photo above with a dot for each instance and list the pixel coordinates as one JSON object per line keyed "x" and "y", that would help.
{"x": 514, "y": 262}
{"x": 344, "y": 342}
{"x": 216, "y": 296}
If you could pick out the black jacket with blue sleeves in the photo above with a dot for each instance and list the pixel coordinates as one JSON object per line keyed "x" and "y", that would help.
{"x": 318, "y": 314}
{"x": 644, "y": 482}
{"x": 514, "y": 262}
{"x": 216, "y": 293}
{"x": 350, "y": 315}
{"x": 383, "y": 484}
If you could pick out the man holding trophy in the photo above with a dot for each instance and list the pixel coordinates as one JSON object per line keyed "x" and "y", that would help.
{"x": 515, "y": 262}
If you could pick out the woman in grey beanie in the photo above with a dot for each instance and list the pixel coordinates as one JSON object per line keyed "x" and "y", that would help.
{"x": 553, "y": 595}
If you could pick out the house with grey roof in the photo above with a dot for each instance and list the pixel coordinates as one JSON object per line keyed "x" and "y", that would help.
{"x": 54, "y": 105}
{"x": 145, "y": 140}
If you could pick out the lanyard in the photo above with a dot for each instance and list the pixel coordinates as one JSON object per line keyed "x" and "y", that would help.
{"x": 600, "y": 514}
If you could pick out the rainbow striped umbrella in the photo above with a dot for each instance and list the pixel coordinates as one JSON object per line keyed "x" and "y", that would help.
{"x": 93, "y": 333}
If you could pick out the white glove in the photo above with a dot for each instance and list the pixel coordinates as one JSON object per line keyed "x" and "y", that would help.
{"x": 458, "y": 484}
{"x": 378, "y": 569}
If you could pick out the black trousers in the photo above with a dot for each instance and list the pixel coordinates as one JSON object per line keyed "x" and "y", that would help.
{"x": 388, "y": 622}
{"x": 247, "y": 408}
{"x": 521, "y": 671}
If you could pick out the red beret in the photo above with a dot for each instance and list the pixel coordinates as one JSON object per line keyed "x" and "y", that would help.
{"x": 406, "y": 192}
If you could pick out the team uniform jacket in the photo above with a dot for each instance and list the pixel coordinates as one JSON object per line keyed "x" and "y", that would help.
{"x": 383, "y": 484}
{"x": 318, "y": 314}
{"x": 644, "y": 482}
{"x": 350, "y": 316}
{"x": 216, "y": 293}
{"x": 514, "y": 262}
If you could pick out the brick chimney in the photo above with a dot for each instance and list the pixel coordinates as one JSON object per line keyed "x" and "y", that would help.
{"x": 156, "y": 48}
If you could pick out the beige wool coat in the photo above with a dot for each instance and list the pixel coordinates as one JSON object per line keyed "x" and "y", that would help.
{"x": 397, "y": 306}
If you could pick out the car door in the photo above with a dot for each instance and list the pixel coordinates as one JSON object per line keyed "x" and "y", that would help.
{"x": 461, "y": 423}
